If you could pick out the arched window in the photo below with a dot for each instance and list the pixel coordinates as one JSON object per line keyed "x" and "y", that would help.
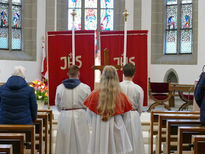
{"x": 11, "y": 24}
{"x": 91, "y": 14}
{"x": 178, "y": 28}
{"x": 171, "y": 75}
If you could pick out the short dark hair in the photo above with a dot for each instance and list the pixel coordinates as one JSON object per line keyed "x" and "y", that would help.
{"x": 129, "y": 70}
{"x": 73, "y": 71}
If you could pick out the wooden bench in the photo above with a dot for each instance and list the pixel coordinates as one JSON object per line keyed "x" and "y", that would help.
{"x": 172, "y": 130}
{"x": 16, "y": 140}
{"x": 185, "y": 135}
{"x": 44, "y": 117}
{"x": 162, "y": 120}
{"x": 6, "y": 148}
{"x": 28, "y": 130}
{"x": 39, "y": 134}
{"x": 50, "y": 128}
{"x": 199, "y": 144}
{"x": 154, "y": 122}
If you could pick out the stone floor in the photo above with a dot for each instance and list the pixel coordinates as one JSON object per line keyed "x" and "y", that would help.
{"x": 145, "y": 119}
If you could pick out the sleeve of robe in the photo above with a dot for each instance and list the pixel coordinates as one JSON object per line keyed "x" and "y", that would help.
{"x": 58, "y": 97}
{"x": 140, "y": 100}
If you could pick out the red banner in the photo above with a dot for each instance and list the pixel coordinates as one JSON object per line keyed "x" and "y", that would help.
{"x": 60, "y": 58}
{"x": 136, "y": 53}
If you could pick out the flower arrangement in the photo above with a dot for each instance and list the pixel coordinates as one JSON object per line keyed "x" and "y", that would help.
{"x": 41, "y": 90}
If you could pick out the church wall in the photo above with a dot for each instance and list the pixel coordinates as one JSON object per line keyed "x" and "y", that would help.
{"x": 32, "y": 67}
{"x": 187, "y": 73}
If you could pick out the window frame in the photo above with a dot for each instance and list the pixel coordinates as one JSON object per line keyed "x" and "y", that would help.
{"x": 157, "y": 37}
{"x": 178, "y": 29}
{"x": 29, "y": 35}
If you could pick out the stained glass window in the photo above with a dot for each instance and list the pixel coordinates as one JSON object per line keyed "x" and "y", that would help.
{"x": 178, "y": 35}
{"x": 4, "y": 38}
{"x": 74, "y": 4}
{"x": 16, "y": 17}
{"x": 171, "y": 2}
{"x": 87, "y": 16}
{"x": 186, "y": 1}
{"x": 171, "y": 42}
{"x": 107, "y": 15}
{"x": 90, "y": 14}
{"x": 90, "y": 19}
{"x": 17, "y": 2}
{"x": 77, "y": 19}
{"x": 11, "y": 24}
{"x": 4, "y": 22}
{"x": 4, "y": 1}
{"x": 16, "y": 38}
{"x": 186, "y": 41}
{"x": 107, "y": 3}
{"x": 106, "y": 19}
{"x": 171, "y": 17}
{"x": 16, "y": 25}
{"x": 91, "y": 4}
{"x": 186, "y": 16}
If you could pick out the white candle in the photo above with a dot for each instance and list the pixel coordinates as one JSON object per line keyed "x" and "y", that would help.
{"x": 73, "y": 37}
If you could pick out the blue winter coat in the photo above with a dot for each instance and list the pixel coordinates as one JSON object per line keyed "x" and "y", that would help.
{"x": 17, "y": 102}
{"x": 199, "y": 94}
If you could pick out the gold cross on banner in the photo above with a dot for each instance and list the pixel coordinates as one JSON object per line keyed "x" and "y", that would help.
{"x": 106, "y": 62}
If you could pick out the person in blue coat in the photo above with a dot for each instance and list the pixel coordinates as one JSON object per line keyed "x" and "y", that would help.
{"x": 17, "y": 100}
{"x": 199, "y": 94}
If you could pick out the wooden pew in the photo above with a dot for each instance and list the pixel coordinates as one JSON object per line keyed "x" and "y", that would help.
{"x": 199, "y": 144}
{"x": 50, "y": 128}
{"x": 172, "y": 130}
{"x": 6, "y": 148}
{"x": 29, "y": 130}
{"x": 162, "y": 120}
{"x": 13, "y": 138}
{"x": 154, "y": 122}
{"x": 44, "y": 116}
{"x": 185, "y": 135}
{"x": 39, "y": 134}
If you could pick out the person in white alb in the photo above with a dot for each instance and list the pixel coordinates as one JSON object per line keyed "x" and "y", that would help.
{"x": 136, "y": 96}
{"x": 107, "y": 110}
{"x": 73, "y": 132}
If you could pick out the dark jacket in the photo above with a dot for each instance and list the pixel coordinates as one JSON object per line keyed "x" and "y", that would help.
{"x": 17, "y": 102}
{"x": 199, "y": 94}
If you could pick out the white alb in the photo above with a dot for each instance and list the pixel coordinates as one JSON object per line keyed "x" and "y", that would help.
{"x": 73, "y": 132}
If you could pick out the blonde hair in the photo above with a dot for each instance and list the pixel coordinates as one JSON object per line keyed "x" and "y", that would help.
{"x": 19, "y": 71}
{"x": 109, "y": 89}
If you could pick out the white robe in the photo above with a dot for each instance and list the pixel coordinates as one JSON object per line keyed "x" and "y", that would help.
{"x": 108, "y": 137}
{"x": 73, "y": 132}
{"x": 136, "y": 95}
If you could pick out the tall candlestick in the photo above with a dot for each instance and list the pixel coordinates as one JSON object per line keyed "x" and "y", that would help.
{"x": 125, "y": 13}
{"x": 73, "y": 37}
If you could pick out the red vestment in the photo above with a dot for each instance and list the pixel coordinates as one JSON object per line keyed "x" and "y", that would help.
{"x": 122, "y": 103}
